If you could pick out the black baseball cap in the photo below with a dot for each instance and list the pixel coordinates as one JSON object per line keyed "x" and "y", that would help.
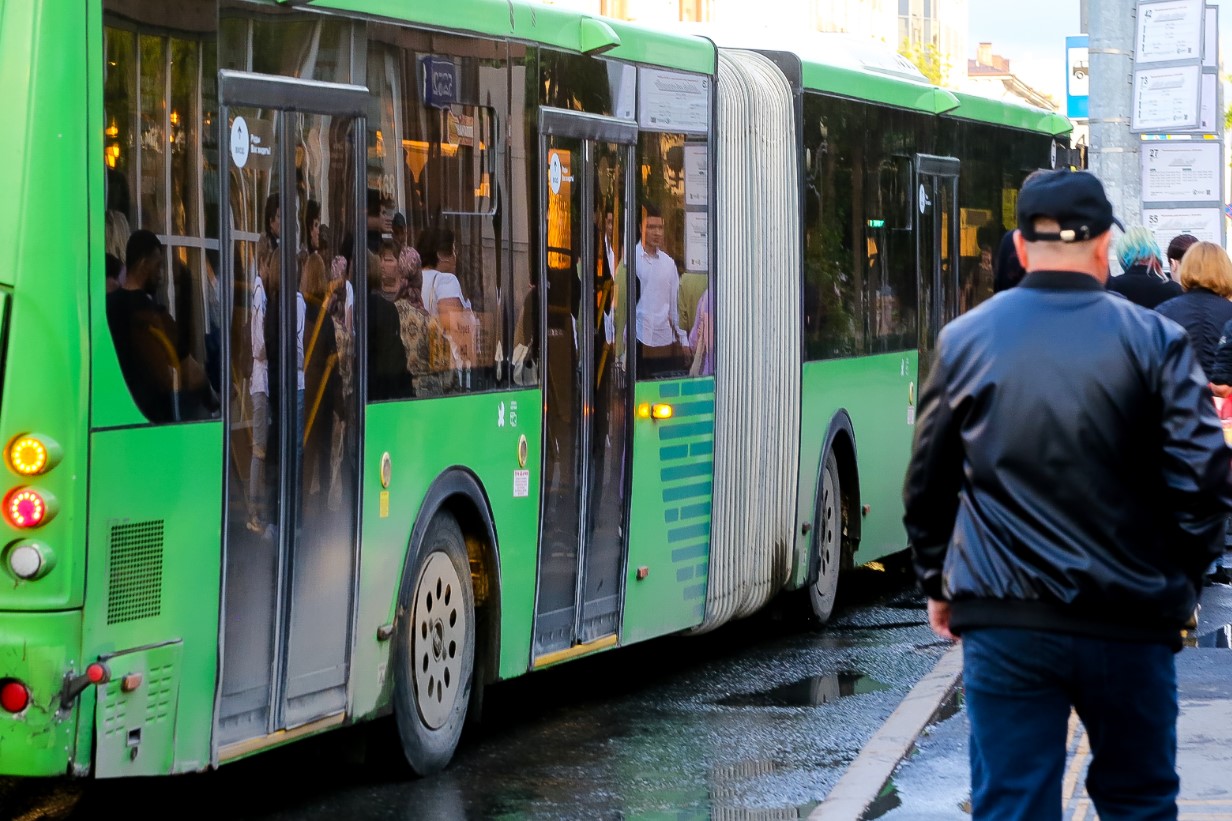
{"x": 1075, "y": 199}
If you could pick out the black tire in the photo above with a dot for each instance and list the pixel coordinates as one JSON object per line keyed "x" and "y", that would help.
{"x": 828, "y": 543}
{"x": 434, "y": 654}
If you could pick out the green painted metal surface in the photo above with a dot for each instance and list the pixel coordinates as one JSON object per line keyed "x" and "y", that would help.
{"x": 44, "y": 254}
{"x": 543, "y": 24}
{"x": 875, "y": 391}
{"x": 37, "y": 649}
{"x": 155, "y": 557}
{"x": 999, "y": 112}
{"x": 669, "y": 518}
{"x": 424, "y": 438}
{"x": 876, "y": 88}
{"x": 136, "y": 727}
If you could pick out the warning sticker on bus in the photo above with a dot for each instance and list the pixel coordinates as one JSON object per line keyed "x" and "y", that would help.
{"x": 521, "y": 484}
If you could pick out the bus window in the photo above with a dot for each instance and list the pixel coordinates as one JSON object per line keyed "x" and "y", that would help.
{"x": 163, "y": 305}
{"x": 667, "y": 290}
{"x": 432, "y": 177}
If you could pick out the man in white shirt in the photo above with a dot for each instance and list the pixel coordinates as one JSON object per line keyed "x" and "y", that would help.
{"x": 660, "y": 342}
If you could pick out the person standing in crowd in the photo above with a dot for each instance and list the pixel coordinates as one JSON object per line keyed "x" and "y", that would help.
{"x": 1206, "y": 306}
{"x": 1040, "y": 401}
{"x": 1143, "y": 281}
{"x": 1176, "y": 251}
{"x": 660, "y": 342}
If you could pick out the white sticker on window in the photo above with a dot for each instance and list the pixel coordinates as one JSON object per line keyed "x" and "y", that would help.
{"x": 239, "y": 142}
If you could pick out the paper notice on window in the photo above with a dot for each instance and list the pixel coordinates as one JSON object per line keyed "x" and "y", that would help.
{"x": 1181, "y": 171}
{"x": 697, "y": 242}
{"x": 1166, "y": 99}
{"x": 1166, "y": 223}
{"x": 1169, "y": 31}
{"x": 696, "y": 174}
{"x": 673, "y": 101}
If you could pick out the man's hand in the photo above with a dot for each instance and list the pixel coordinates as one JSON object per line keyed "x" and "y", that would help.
{"x": 1221, "y": 390}
{"x": 939, "y": 619}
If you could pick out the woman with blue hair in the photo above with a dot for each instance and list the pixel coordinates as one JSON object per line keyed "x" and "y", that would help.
{"x": 1143, "y": 280}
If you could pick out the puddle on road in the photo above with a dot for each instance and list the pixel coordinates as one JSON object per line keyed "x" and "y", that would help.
{"x": 809, "y": 692}
{"x": 1220, "y": 638}
{"x": 888, "y": 799}
{"x": 892, "y": 625}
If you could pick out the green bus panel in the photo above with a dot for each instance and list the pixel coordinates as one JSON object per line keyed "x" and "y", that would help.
{"x": 538, "y": 23}
{"x": 877, "y": 392}
{"x": 44, "y": 255}
{"x": 1013, "y": 115}
{"x": 39, "y": 648}
{"x": 876, "y": 88}
{"x": 154, "y": 558}
{"x": 669, "y": 517}
{"x": 423, "y": 439}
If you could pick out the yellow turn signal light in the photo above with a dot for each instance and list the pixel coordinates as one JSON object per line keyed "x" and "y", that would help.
{"x": 659, "y": 410}
{"x": 31, "y": 454}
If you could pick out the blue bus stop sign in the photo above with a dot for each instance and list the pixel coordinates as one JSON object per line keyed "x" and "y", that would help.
{"x": 1077, "y": 77}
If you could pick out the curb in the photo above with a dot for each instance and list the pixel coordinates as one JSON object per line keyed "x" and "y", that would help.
{"x": 862, "y": 781}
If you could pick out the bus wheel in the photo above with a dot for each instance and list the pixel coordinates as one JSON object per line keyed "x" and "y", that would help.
{"x": 435, "y": 649}
{"x": 829, "y": 541}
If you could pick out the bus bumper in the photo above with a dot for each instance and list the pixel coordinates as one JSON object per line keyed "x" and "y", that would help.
{"x": 37, "y": 650}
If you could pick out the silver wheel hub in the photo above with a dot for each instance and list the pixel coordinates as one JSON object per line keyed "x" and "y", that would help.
{"x": 439, "y": 629}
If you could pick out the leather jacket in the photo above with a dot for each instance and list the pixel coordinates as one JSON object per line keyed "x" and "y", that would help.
{"x": 1069, "y": 472}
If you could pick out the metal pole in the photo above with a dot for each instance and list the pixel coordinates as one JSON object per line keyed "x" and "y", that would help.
{"x": 1113, "y": 155}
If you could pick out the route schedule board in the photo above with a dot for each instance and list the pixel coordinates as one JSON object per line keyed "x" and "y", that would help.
{"x": 1167, "y": 86}
{"x": 1169, "y": 31}
{"x": 1183, "y": 171}
{"x": 1166, "y": 99}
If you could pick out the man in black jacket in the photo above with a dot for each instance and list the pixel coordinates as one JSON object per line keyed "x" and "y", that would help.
{"x": 1067, "y": 489}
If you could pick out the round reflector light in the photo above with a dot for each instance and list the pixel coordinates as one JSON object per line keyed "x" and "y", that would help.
{"x": 25, "y": 507}
{"x": 14, "y": 697}
{"x": 28, "y": 456}
{"x": 26, "y": 561}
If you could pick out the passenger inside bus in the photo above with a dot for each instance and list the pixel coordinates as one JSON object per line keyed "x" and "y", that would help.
{"x": 165, "y": 381}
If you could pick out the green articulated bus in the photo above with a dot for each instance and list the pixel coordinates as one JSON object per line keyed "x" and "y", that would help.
{"x": 590, "y": 334}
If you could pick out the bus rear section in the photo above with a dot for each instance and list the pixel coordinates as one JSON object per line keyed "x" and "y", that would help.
{"x": 44, "y": 252}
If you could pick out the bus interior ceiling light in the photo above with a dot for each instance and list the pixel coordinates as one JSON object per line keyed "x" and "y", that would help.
{"x": 31, "y": 454}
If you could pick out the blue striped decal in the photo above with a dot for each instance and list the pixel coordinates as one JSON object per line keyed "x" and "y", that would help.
{"x": 676, "y": 494}
{"x": 686, "y": 468}
{"x": 693, "y": 409}
{"x": 686, "y": 471}
{"x": 677, "y": 452}
{"x": 683, "y": 554}
{"x": 681, "y": 534}
{"x": 684, "y": 431}
{"x": 698, "y": 388}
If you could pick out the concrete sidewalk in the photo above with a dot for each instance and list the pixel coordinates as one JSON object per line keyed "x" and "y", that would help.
{"x": 930, "y": 779}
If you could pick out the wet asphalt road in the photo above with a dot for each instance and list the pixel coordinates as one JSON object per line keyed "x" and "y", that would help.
{"x": 754, "y": 721}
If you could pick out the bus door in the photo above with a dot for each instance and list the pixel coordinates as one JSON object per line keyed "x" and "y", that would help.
{"x": 292, "y": 162}
{"x": 936, "y": 244}
{"x": 586, "y": 195}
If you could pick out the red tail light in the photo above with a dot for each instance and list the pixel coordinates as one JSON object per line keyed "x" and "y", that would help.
{"x": 14, "y": 697}
{"x": 26, "y": 507}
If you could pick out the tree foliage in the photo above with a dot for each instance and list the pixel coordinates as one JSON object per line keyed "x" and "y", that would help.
{"x": 929, "y": 59}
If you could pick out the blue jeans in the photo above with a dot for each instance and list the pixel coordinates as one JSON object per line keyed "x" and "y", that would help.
{"x": 1020, "y": 685}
